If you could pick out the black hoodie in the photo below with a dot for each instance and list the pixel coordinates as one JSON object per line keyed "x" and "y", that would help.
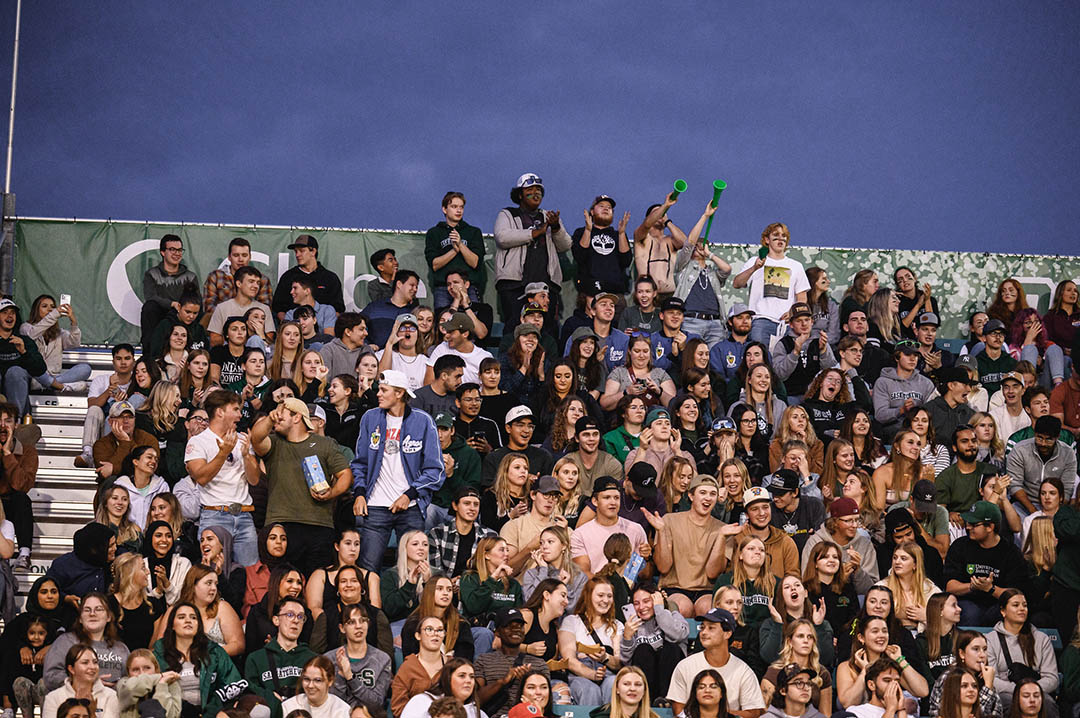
{"x": 87, "y": 567}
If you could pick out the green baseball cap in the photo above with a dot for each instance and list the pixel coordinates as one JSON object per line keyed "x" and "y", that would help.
{"x": 981, "y": 512}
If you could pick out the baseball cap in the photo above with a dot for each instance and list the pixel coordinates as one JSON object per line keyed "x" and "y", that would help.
{"x": 523, "y": 329}
{"x": 408, "y": 318}
{"x": 459, "y": 321}
{"x": 737, "y": 309}
{"x": 547, "y": 485}
{"x": 298, "y": 406}
{"x": 583, "y": 332}
{"x": 721, "y": 616}
{"x": 466, "y": 490}
{"x": 121, "y": 407}
{"x": 642, "y": 476}
{"x": 723, "y": 423}
{"x": 528, "y": 179}
{"x": 524, "y": 710}
{"x": 444, "y": 420}
{"x": 531, "y": 308}
{"x": 585, "y": 423}
{"x": 316, "y": 411}
{"x": 907, "y": 346}
{"x": 994, "y": 325}
{"x": 800, "y": 309}
{"x": 982, "y": 511}
{"x": 605, "y": 483}
{"x": 7, "y": 304}
{"x": 843, "y": 507}
{"x": 602, "y": 198}
{"x": 924, "y": 496}
{"x": 397, "y": 379}
{"x": 507, "y": 615}
{"x": 783, "y": 481}
{"x": 534, "y": 288}
{"x": 305, "y": 240}
{"x": 787, "y": 674}
{"x": 605, "y": 295}
{"x": 928, "y": 318}
{"x": 702, "y": 479}
{"x": 967, "y": 362}
{"x": 518, "y": 412}
{"x": 673, "y": 303}
{"x": 1012, "y": 376}
{"x": 955, "y": 373}
{"x": 753, "y": 495}
{"x": 657, "y": 412}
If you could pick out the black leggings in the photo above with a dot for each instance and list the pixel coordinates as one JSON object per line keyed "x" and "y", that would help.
{"x": 657, "y": 665}
{"x": 20, "y": 511}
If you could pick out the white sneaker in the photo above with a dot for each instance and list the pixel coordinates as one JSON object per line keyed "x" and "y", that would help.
{"x": 7, "y": 713}
{"x": 85, "y": 460}
{"x": 75, "y": 387}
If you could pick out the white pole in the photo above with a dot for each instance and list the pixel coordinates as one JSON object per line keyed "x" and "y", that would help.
{"x": 11, "y": 115}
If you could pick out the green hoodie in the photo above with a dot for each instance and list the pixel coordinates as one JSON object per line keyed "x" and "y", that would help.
{"x": 466, "y": 472}
{"x": 289, "y": 665}
{"x": 219, "y": 680}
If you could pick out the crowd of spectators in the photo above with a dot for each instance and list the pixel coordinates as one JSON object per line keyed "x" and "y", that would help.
{"x": 698, "y": 483}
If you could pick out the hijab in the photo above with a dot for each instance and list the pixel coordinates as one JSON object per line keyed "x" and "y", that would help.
{"x": 226, "y": 540}
{"x": 152, "y": 559}
{"x": 267, "y": 560}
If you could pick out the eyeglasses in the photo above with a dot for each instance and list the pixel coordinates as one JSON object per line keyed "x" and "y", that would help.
{"x": 432, "y": 631}
{"x": 94, "y": 610}
{"x": 747, "y": 421}
{"x": 292, "y": 616}
{"x": 199, "y": 419}
{"x": 177, "y": 250}
{"x": 308, "y": 679}
{"x": 799, "y": 684}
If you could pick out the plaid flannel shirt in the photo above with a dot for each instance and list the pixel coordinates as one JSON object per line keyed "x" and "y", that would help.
{"x": 989, "y": 701}
{"x": 444, "y": 542}
{"x": 219, "y": 287}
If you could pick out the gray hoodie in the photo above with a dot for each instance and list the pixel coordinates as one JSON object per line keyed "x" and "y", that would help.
{"x": 890, "y": 393}
{"x": 339, "y": 359}
{"x": 811, "y": 712}
{"x": 1045, "y": 662}
{"x": 664, "y": 626}
{"x": 1027, "y": 469}
{"x": 867, "y": 575}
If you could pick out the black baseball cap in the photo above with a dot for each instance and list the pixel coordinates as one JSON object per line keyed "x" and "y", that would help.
{"x": 673, "y": 303}
{"x": 305, "y": 240}
{"x": 584, "y": 424}
{"x": 466, "y": 490}
{"x": 784, "y": 481}
{"x": 507, "y": 615}
{"x": 907, "y": 346}
{"x": 994, "y": 325}
{"x": 642, "y": 477}
{"x": 924, "y": 496}
{"x": 605, "y": 483}
{"x": 788, "y": 673}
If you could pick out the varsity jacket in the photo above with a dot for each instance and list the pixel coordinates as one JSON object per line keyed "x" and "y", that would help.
{"x": 421, "y": 456}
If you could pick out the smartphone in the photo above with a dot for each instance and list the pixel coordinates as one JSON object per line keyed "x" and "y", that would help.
{"x": 629, "y": 612}
{"x": 65, "y": 299}
{"x": 478, "y": 434}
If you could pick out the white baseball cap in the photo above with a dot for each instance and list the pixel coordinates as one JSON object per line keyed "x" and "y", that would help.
{"x": 395, "y": 378}
{"x": 518, "y": 412}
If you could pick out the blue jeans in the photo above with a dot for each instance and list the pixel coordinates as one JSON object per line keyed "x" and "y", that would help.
{"x": 713, "y": 331}
{"x": 436, "y": 516}
{"x": 1053, "y": 362}
{"x": 586, "y": 692}
{"x": 482, "y": 638}
{"x": 375, "y": 531}
{"x": 79, "y": 372}
{"x": 977, "y": 614}
{"x": 762, "y": 330}
{"x": 442, "y": 297}
{"x": 17, "y": 388}
{"x": 242, "y": 527}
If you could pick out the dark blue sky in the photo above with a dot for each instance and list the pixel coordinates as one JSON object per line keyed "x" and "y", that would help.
{"x": 880, "y": 124}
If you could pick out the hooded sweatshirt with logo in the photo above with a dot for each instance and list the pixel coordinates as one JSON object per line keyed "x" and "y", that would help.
{"x": 288, "y": 664}
{"x": 890, "y": 393}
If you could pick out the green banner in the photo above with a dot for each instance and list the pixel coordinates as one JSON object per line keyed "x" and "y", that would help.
{"x": 100, "y": 264}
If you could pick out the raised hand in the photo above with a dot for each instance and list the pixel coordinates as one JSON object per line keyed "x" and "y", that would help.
{"x": 623, "y": 222}
{"x": 588, "y": 220}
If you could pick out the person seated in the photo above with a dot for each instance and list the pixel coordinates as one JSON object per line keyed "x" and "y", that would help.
{"x": 1036, "y": 459}
{"x": 795, "y": 511}
{"x": 882, "y": 315}
{"x": 643, "y": 314}
{"x": 525, "y": 364}
{"x": 797, "y": 358}
{"x": 553, "y": 562}
{"x": 519, "y": 426}
{"x": 794, "y": 694}
{"x": 522, "y": 535}
{"x": 248, "y": 281}
{"x": 880, "y": 689}
{"x": 950, "y": 408}
{"x": 421, "y": 669}
{"x": 350, "y": 340}
{"x": 795, "y": 424}
{"x": 460, "y": 299}
{"x": 312, "y": 334}
{"x": 286, "y": 582}
{"x": 856, "y": 550}
{"x": 499, "y": 673}
{"x": 437, "y": 394}
{"x": 894, "y": 480}
{"x": 1037, "y": 404}
{"x": 363, "y": 671}
{"x": 97, "y": 628}
{"x": 145, "y": 684}
{"x": 872, "y": 358}
{"x": 658, "y": 443}
{"x": 452, "y": 695}
{"x": 793, "y": 604}
{"x": 781, "y": 548}
{"x": 1017, "y": 650}
{"x": 931, "y": 359}
{"x": 488, "y": 585}
{"x": 272, "y": 670}
{"x": 857, "y": 295}
{"x": 590, "y": 457}
{"x": 638, "y": 377}
{"x": 44, "y": 328}
{"x": 827, "y": 403}
{"x": 83, "y": 679}
{"x": 105, "y": 389}
{"x": 188, "y": 317}
{"x": 899, "y": 390}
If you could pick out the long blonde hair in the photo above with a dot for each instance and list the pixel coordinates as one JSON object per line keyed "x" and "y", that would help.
{"x": 768, "y": 400}
{"x": 881, "y": 315}
{"x": 403, "y": 560}
{"x": 160, "y": 403}
{"x": 571, "y": 500}
{"x": 997, "y": 448}
{"x": 123, "y": 583}
{"x": 274, "y": 370}
{"x": 787, "y": 652}
{"x": 127, "y": 530}
{"x": 501, "y": 487}
{"x": 1040, "y": 546}
{"x": 902, "y": 465}
{"x": 729, "y": 502}
{"x": 478, "y": 562}
{"x": 918, "y": 580}
{"x": 565, "y": 563}
{"x": 741, "y": 580}
{"x": 644, "y": 709}
{"x": 784, "y": 433}
{"x": 299, "y": 379}
{"x": 667, "y": 478}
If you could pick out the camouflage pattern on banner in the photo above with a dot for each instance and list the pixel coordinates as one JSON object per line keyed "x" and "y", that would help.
{"x": 101, "y": 263}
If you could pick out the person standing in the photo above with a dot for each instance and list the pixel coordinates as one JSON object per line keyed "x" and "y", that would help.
{"x": 699, "y": 277}
{"x": 654, "y": 251}
{"x": 327, "y": 284}
{"x": 602, "y": 252}
{"x": 220, "y": 462}
{"x": 725, "y": 356}
{"x": 527, "y": 245}
{"x": 164, "y": 284}
{"x": 455, "y": 245}
{"x": 219, "y": 284}
{"x": 295, "y": 459}
{"x": 775, "y": 281}
{"x": 398, "y": 466}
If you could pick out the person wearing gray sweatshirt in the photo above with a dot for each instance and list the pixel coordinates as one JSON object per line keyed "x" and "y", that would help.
{"x": 840, "y": 530}
{"x": 654, "y": 639}
{"x": 1041, "y": 457}
{"x": 899, "y": 390}
{"x": 1039, "y": 658}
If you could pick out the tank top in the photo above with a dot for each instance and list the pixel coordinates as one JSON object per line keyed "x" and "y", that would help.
{"x": 214, "y": 632}
{"x": 550, "y": 639}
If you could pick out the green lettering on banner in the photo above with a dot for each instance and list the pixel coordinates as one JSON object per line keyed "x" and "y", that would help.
{"x": 101, "y": 263}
